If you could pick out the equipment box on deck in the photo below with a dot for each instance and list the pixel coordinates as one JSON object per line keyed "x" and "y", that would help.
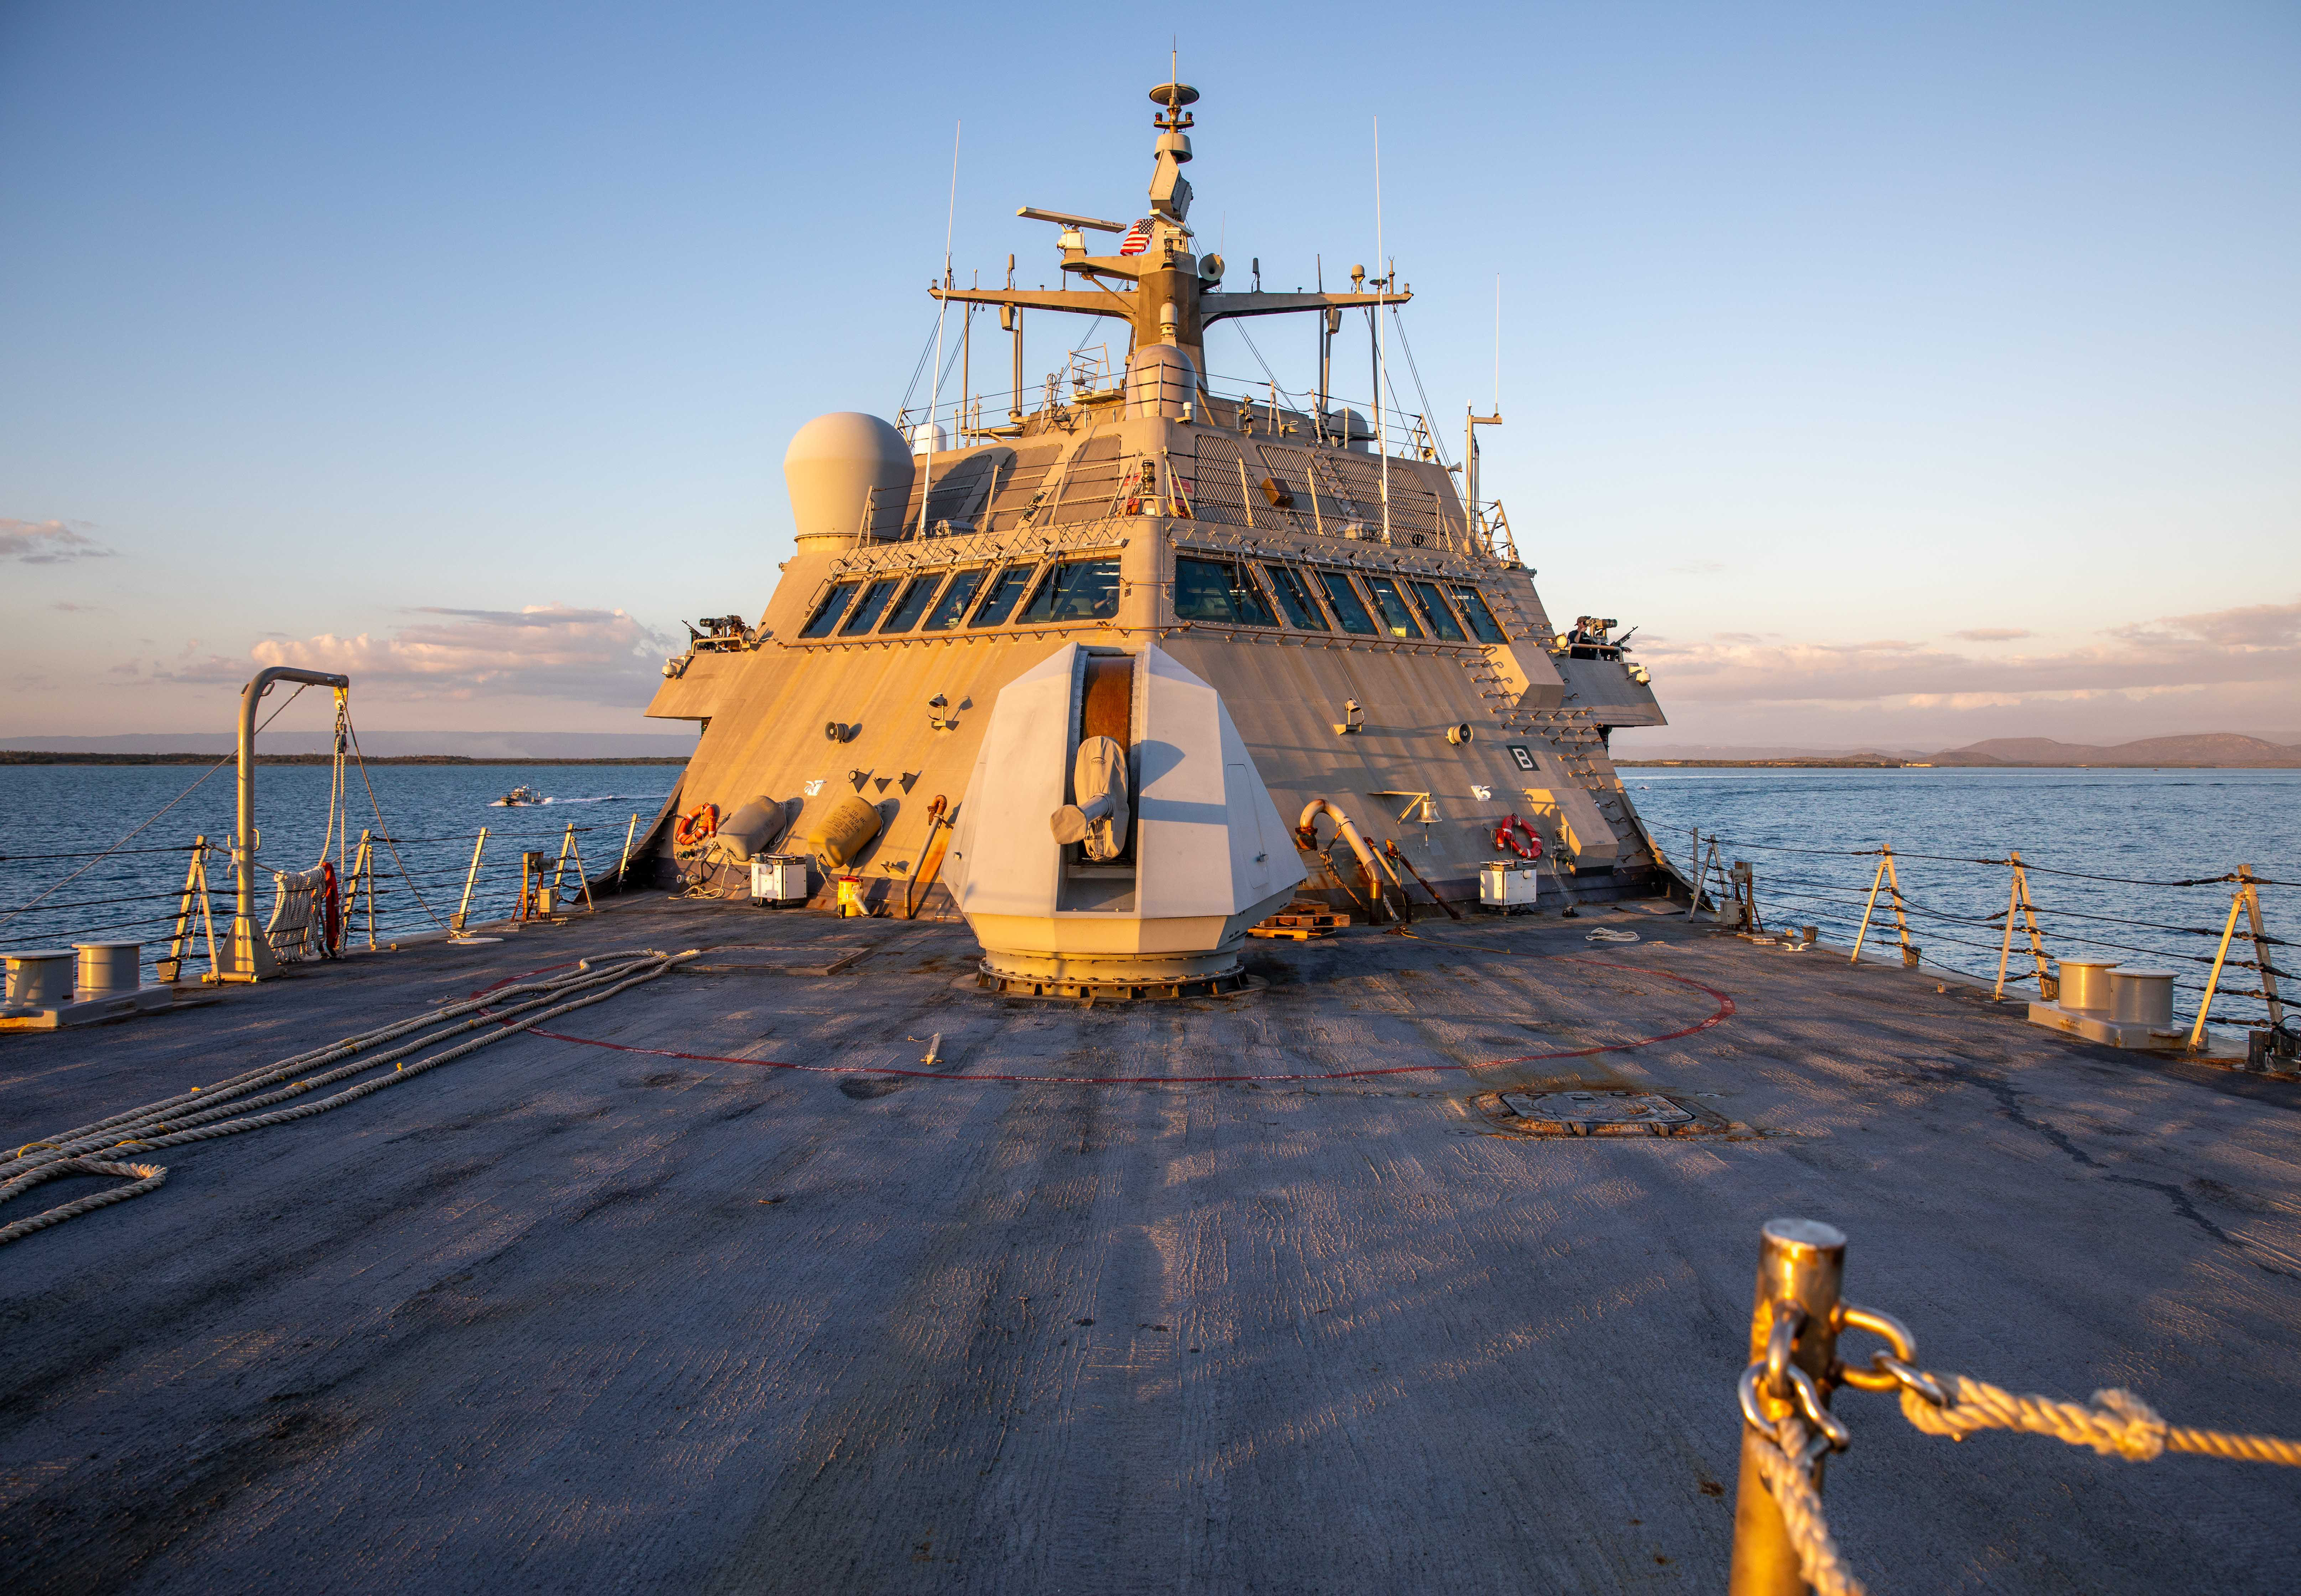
{"x": 778, "y": 878}
{"x": 1506, "y": 885}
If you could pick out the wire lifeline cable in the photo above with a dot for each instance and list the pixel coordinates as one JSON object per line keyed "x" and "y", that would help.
{"x": 172, "y": 847}
{"x": 72, "y": 1156}
{"x": 149, "y": 823}
{"x": 2033, "y": 868}
{"x": 353, "y": 734}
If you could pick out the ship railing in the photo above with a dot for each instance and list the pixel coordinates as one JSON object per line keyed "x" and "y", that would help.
{"x": 1782, "y": 1538}
{"x": 2018, "y": 919}
{"x": 1093, "y": 383}
{"x": 388, "y": 888}
{"x": 1225, "y": 478}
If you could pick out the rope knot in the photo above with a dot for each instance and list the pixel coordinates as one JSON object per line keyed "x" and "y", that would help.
{"x": 2141, "y": 1439}
{"x": 2118, "y": 1422}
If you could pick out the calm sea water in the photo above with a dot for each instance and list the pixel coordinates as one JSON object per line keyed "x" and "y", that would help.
{"x": 435, "y": 811}
{"x": 1805, "y": 831}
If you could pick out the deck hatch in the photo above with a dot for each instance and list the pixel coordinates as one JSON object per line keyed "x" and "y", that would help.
{"x": 1595, "y": 1112}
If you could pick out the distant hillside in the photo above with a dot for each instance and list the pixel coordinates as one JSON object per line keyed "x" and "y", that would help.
{"x": 2204, "y": 749}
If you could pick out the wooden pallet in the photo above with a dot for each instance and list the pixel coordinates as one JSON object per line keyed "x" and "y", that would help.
{"x": 1310, "y": 919}
{"x": 1301, "y": 925}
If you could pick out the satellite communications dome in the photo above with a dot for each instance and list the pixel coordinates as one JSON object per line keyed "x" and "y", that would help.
{"x": 839, "y": 463}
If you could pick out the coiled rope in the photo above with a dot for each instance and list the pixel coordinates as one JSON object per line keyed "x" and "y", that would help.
{"x": 204, "y": 1113}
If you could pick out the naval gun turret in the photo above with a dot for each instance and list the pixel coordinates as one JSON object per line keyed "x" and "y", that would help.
{"x": 1279, "y": 555}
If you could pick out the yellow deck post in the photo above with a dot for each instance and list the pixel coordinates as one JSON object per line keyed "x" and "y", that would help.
{"x": 2220, "y": 956}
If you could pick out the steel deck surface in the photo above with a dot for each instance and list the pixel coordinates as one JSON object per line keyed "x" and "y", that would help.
{"x": 723, "y": 1288}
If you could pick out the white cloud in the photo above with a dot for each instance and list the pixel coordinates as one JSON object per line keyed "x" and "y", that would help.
{"x": 46, "y": 542}
{"x": 2255, "y": 644}
{"x": 598, "y": 657}
{"x": 1992, "y": 634}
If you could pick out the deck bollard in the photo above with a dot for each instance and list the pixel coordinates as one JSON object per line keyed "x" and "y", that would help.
{"x": 1800, "y": 1265}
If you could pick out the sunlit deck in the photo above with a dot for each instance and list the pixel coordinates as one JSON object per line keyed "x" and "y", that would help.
{"x": 1224, "y": 1296}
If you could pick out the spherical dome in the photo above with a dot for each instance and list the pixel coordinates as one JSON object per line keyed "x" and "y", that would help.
{"x": 837, "y": 464}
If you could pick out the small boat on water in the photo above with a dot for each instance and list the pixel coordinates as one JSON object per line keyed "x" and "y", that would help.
{"x": 519, "y": 798}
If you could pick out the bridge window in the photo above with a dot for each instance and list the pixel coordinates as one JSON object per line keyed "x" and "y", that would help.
{"x": 826, "y": 613}
{"x": 1396, "y": 619}
{"x": 1440, "y": 620}
{"x": 1350, "y": 609}
{"x": 910, "y": 605}
{"x": 1075, "y": 590}
{"x": 1006, "y": 591}
{"x": 1217, "y": 591}
{"x": 867, "y": 607}
{"x": 955, "y": 598}
{"x": 1294, "y": 597}
{"x": 1475, "y": 610}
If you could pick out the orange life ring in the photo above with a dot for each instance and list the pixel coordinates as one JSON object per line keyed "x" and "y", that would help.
{"x": 1506, "y": 836}
{"x": 696, "y": 827}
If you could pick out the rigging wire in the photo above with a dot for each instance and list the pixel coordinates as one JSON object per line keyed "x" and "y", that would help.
{"x": 1423, "y": 394}
{"x": 354, "y": 735}
{"x": 172, "y": 803}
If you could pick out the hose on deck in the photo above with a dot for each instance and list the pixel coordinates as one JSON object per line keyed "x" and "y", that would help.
{"x": 204, "y": 1113}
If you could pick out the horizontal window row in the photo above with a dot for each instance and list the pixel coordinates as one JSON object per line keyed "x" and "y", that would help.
{"x": 979, "y": 595}
{"x": 1319, "y": 598}
{"x": 1233, "y": 592}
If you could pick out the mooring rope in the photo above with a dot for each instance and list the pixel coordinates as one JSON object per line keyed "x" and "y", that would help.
{"x": 203, "y": 1114}
{"x": 1794, "y": 1492}
{"x": 2118, "y": 1424}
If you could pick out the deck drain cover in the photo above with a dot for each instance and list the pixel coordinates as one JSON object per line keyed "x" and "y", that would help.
{"x": 1599, "y": 1114}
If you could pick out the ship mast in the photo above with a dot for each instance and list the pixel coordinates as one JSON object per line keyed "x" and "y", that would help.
{"x": 1165, "y": 291}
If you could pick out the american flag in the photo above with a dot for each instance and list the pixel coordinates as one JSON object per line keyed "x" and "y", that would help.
{"x": 1138, "y": 238}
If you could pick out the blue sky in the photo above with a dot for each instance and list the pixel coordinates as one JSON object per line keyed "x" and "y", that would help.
{"x": 461, "y": 345}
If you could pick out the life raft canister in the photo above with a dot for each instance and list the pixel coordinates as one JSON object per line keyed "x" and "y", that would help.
{"x": 696, "y": 825}
{"x": 1506, "y": 835}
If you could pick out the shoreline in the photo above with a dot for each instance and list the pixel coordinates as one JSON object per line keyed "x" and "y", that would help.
{"x": 1915, "y": 765}
{"x": 32, "y": 757}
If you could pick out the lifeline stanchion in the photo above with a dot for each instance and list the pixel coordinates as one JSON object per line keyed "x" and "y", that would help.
{"x": 2247, "y": 900}
{"x": 2017, "y": 901}
{"x": 195, "y": 896}
{"x": 624, "y": 864}
{"x": 568, "y": 850}
{"x": 1794, "y": 1319}
{"x": 463, "y": 911}
{"x": 1888, "y": 877}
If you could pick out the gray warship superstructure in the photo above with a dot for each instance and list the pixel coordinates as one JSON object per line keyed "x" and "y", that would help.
{"x": 1365, "y": 617}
